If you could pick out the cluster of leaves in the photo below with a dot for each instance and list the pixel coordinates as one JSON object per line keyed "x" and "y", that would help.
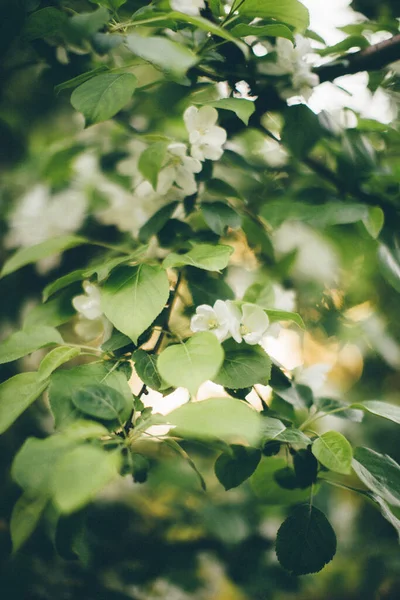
{"x": 99, "y": 423}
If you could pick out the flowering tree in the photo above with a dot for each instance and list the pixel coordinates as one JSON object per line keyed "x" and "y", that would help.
{"x": 191, "y": 211}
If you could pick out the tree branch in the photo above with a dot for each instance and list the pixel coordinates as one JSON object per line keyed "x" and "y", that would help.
{"x": 372, "y": 58}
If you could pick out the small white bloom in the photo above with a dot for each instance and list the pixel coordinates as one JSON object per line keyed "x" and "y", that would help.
{"x": 188, "y": 7}
{"x": 253, "y": 325}
{"x": 223, "y": 319}
{"x": 205, "y": 136}
{"x": 89, "y": 303}
{"x": 291, "y": 60}
{"x": 180, "y": 169}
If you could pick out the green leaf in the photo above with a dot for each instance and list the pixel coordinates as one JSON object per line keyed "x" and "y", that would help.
{"x": 389, "y": 265}
{"x": 117, "y": 341}
{"x": 381, "y": 409}
{"x": 103, "y": 96}
{"x": 81, "y": 27}
{"x": 306, "y": 541}
{"x": 24, "y": 518}
{"x": 102, "y": 402}
{"x": 64, "y": 383}
{"x": 55, "y": 358}
{"x": 374, "y": 221}
{"x": 220, "y": 216}
{"x": 53, "y": 313}
{"x": 207, "y": 25}
{"x": 27, "y": 256}
{"x": 35, "y": 461}
{"x": 260, "y": 31}
{"x": 333, "y": 451}
{"x": 163, "y": 53}
{"x": 202, "y": 256}
{"x": 28, "y": 340}
{"x": 157, "y": 222}
{"x": 351, "y": 41}
{"x": 47, "y": 22}
{"x": 191, "y": 363}
{"x": 82, "y": 429}
{"x": 291, "y": 12}
{"x": 267, "y": 489}
{"x": 285, "y": 315}
{"x": 133, "y": 297}
{"x": 294, "y": 437}
{"x": 151, "y": 161}
{"x": 386, "y": 512}
{"x": 233, "y": 469}
{"x": 206, "y": 289}
{"x": 379, "y": 472}
{"x": 327, "y": 405}
{"x": 242, "y": 108}
{"x": 79, "y": 79}
{"x": 146, "y": 368}
{"x": 16, "y": 394}
{"x": 80, "y": 474}
{"x": 243, "y": 366}
{"x": 111, "y": 4}
{"x": 302, "y": 130}
{"x": 62, "y": 282}
{"x": 224, "y": 418}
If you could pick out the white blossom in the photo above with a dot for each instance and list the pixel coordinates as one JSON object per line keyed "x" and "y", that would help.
{"x": 254, "y": 323}
{"x": 92, "y": 323}
{"x": 189, "y": 7}
{"x": 205, "y": 137}
{"x": 89, "y": 303}
{"x": 225, "y": 319}
{"x": 180, "y": 169}
{"x": 222, "y": 319}
{"x": 291, "y": 61}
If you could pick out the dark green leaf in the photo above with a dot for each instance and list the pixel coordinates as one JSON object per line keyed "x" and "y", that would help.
{"x": 306, "y": 541}
{"x": 267, "y": 489}
{"x": 220, "y": 216}
{"x": 25, "y": 516}
{"x": 146, "y": 368}
{"x": 157, "y": 221}
{"x": 302, "y": 130}
{"x": 233, "y": 469}
{"x": 47, "y": 22}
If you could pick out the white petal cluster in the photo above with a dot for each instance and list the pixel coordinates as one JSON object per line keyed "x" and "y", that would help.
{"x": 206, "y": 138}
{"x": 89, "y": 303}
{"x": 180, "y": 169}
{"x": 92, "y": 323}
{"x": 225, "y": 319}
{"x": 314, "y": 376}
{"x": 291, "y": 60}
{"x": 189, "y": 7}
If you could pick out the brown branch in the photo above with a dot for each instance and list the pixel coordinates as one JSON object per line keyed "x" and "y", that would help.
{"x": 372, "y": 58}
